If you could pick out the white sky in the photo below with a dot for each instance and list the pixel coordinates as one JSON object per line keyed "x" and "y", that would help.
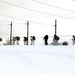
{"x": 65, "y": 25}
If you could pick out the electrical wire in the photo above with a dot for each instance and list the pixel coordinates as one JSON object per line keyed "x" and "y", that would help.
{"x": 13, "y": 22}
{"x": 65, "y": 35}
{"x": 5, "y": 33}
{"x": 20, "y": 23}
{"x": 13, "y": 17}
{"x": 23, "y": 20}
{"x": 14, "y": 30}
{"x": 31, "y": 31}
{"x": 5, "y": 21}
{"x": 34, "y": 11}
{"x": 52, "y": 31}
{"x": 40, "y": 23}
{"x": 23, "y": 31}
{"x": 3, "y": 24}
{"x": 53, "y": 6}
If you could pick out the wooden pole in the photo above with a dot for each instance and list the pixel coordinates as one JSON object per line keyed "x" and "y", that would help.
{"x": 28, "y": 32}
{"x": 55, "y": 27}
{"x": 10, "y": 33}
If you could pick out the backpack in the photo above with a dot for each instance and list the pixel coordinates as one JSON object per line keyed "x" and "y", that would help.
{"x": 34, "y": 38}
{"x": 74, "y": 37}
{"x": 56, "y": 37}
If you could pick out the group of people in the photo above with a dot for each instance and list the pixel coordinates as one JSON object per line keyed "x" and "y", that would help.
{"x": 56, "y": 39}
{"x": 32, "y": 38}
{"x": 46, "y": 37}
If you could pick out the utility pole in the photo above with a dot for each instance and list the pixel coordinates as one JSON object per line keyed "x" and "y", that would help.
{"x": 27, "y": 32}
{"x": 10, "y": 33}
{"x": 55, "y": 26}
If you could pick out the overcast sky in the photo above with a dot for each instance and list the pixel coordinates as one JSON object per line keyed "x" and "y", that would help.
{"x": 62, "y": 10}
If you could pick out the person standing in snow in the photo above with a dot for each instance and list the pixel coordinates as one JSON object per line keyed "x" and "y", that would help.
{"x": 14, "y": 39}
{"x": 32, "y": 38}
{"x": 25, "y": 40}
{"x": 0, "y": 40}
{"x": 46, "y": 39}
{"x": 73, "y": 39}
{"x": 55, "y": 40}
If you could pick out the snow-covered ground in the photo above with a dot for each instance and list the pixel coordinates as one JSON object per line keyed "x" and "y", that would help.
{"x": 37, "y": 60}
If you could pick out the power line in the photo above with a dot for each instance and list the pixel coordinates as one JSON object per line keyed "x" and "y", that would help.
{"x": 40, "y": 23}
{"x": 21, "y": 20}
{"x": 5, "y": 21}
{"x": 5, "y": 32}
{"x": 23, "y": 31}
{"x": 13, "y": 17}
{"x": 65, "y": 35}
{"x": 54, "y": 6}
{"x": 3, "y": 24}
{"x": 35, "y": 10}
{"x": 10, "y": 21}
{"x": 13, "y": 30}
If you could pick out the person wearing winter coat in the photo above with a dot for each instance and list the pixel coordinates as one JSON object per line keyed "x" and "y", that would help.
{"x": 73, "y": 39}
{"x": 55, "y": 40}
{"x": 46, "y": 39}
{"x": 32, "y": 38}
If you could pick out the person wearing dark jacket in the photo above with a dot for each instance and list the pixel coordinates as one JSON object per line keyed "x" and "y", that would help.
{"x": 32, "y": 38}
{"x": 46, "y": 39}
{"x": 25, "y": 40}
{"x": 73, "y": 39}
{"x": 55, "y": 40}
